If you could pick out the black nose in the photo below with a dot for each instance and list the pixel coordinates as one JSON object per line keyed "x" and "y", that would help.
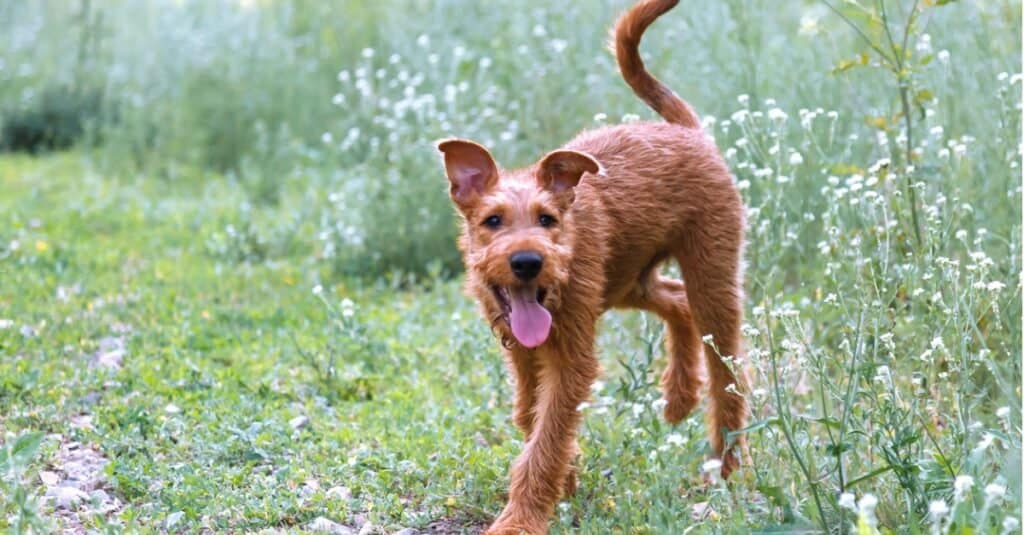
{"x": 526, "y": 264}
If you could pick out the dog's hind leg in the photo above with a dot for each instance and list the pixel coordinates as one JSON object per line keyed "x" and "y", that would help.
{"x": 711, "y": 264}
{"x": 681, "y": 380}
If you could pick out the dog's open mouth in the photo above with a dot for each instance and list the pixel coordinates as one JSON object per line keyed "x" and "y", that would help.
{"x": 524, "y": 308}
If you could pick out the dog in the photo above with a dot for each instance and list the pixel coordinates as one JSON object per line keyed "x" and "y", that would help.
{"x": 550, "y": 247}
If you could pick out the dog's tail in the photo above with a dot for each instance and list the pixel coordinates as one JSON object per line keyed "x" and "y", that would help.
{"x": 627, "y": 33}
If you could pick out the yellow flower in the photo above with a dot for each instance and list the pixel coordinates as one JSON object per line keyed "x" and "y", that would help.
{"x": 450, "y": 502}
{"x": 42, "y": 246}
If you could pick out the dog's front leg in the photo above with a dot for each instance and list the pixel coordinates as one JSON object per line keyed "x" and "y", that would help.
{"x": 524, "y": 368}
{"x": 539, "y": 474}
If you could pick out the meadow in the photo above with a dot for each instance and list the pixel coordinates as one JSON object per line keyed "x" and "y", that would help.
{"x": 230, "y": 298}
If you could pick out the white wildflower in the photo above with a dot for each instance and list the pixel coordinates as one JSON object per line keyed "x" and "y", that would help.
{"x": 962, "y": 485}
{"x": 994, "y": 491}
{"x": 848, "y": 501}
{"x": 866, "y": 508}
{"x": 776, "y": 114}
{"x": 348, "y": 308}
{"x": 795, "y": 158}
{"x": 675, "y": 439}
{"x": 711, "y": 466}
{"x": 808, "y": 25}
{"x": 937, "y": 510}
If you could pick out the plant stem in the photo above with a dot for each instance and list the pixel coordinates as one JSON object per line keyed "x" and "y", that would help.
{"x": 898, "y": 54}
{"x": 791, "y": 442}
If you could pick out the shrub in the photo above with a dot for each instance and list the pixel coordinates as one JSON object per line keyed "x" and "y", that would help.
{"x": 57, "y": 118}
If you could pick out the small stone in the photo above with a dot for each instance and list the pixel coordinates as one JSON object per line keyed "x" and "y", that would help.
{"x": 309, "y": 488}
{"x": 701, "y": 511}
{"x": 299, "y": 422}
{"x": 91, "y": 398}
{"x": 50, "y": 479}
{"x": 368, "y": 529}
{"x": 68, "y": 497}
{"x": 339, "y": 493}
{"x": 323, "y": 525}
{"x": 81, "y": 421}
{"x": 173, "y": 519}
{"x": 111, "y": 353}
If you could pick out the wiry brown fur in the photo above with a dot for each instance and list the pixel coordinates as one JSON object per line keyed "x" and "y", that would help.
{"x": 626, "y": 198}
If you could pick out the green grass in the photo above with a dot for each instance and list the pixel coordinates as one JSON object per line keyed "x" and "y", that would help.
{"x": 296, "y": 344}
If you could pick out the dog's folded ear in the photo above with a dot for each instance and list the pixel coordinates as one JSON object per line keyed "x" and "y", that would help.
{"x": 470, "y": 168}
{"x": 561, "y": 170}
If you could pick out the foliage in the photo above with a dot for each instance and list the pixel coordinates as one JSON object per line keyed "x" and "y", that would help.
{"x": 249, "y": 227}
{"x": 55, "y": 119}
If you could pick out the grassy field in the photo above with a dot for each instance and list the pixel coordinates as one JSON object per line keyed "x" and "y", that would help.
{"x": 234, "y": 304}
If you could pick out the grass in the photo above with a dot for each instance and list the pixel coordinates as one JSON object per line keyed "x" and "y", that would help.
{"x": 268, "y": 268}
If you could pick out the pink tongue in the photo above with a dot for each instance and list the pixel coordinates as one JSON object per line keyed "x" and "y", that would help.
{"x": 531, "y": 322}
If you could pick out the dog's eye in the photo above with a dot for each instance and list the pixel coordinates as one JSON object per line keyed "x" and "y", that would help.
{"x": 493, "y": 221}
{"x": 547, "y": 221}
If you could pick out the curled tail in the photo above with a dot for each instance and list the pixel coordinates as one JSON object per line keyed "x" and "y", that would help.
{"x": 628, "y": 31}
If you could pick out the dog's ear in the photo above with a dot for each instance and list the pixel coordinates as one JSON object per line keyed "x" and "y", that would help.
{"x": 561, "y": 170}
{"x": 470, "y": 168}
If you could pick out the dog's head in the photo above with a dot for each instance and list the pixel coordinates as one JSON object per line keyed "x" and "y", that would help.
{"x": 518, "y": 233}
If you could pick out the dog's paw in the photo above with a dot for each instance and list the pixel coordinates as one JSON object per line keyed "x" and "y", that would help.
{"x": 503, "y": 528}
{"x": 513, "y": 522}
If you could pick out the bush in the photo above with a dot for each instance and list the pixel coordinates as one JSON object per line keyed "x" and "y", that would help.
{"x": 55, "y": 119}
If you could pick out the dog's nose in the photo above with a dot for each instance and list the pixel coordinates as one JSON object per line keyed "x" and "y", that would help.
{"x": 526, "y": 264}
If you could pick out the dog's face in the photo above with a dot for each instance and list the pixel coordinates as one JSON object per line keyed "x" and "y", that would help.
{"x": 517, "y": 233}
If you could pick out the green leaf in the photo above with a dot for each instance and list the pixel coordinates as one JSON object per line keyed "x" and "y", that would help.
{"x": 827, "y": 421}
{"x": 778, "y": 498}
{"x": 21, "y": 452}
{"x": 847, "y": 64}
{"x": 758, "y": 425}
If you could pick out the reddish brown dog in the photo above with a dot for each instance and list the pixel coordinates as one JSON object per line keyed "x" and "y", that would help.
{"x": 550, "y": 247}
